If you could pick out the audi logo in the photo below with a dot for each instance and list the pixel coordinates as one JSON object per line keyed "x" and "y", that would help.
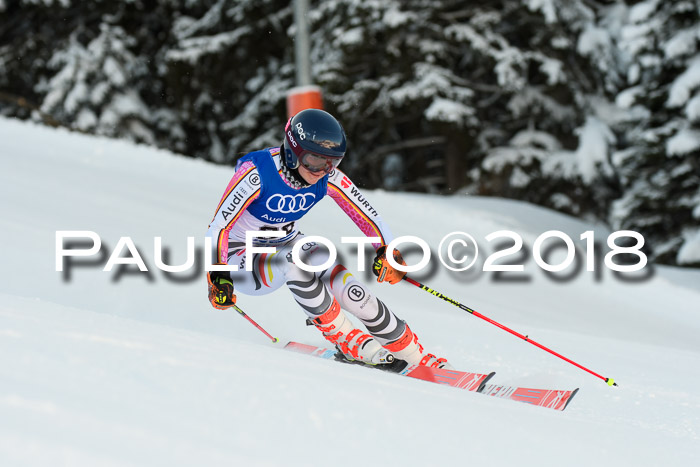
{"x": 288, "y": 204}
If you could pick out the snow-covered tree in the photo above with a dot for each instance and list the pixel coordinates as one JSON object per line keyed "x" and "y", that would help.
{"x": 93, "y": 89}
{"x": 450, "y": 84}
{"x": 228, "y": 70}
{"x": 389, "y": 72}
{"x": 90, "y": 66}
{"x": 658, "y": 155}
{"x": 549, "y": 143}
{"x": 589, "y": 107}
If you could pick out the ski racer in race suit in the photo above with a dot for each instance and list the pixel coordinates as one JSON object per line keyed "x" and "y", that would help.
{"x": 271, "y": 190}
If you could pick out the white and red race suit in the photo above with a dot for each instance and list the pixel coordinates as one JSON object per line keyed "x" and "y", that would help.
{"x": 260, "y": 197}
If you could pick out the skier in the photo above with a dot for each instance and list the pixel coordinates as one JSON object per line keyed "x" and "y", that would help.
{"x": 271, "y": 190}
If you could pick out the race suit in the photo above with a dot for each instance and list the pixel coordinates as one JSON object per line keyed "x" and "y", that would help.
{"x": 259, "y": 197}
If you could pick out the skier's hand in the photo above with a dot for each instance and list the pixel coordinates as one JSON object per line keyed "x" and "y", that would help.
{"x": 221, "y": 293}
{"x": 384, "y": 271}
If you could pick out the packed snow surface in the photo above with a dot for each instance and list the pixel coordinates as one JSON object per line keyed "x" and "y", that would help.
{"x": 133, "y": 368}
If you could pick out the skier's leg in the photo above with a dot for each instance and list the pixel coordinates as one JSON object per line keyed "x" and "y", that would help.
{"x": 392, "y": 332}
{"x": 322, "y": 307}
{"x": 322, "y": 294}
{"x": 269, "y": 272}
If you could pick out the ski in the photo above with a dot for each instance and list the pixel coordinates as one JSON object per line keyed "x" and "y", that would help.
{"x": 549, "y": 398}
{"x": 474, "y": 382}
{"x": 458, "y": 379}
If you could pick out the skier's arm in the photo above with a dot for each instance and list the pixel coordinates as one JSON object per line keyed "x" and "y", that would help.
{"x": 357, "y": 207}
{"x": 242, "y": 190}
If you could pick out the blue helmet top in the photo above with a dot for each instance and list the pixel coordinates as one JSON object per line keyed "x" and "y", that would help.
{"x": 313, "y": 131}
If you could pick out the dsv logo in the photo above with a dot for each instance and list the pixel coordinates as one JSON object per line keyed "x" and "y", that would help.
{"x": 287, "y": 204}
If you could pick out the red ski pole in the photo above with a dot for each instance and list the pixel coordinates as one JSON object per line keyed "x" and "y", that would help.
{"x": 610, "y": 381}
{"x": 242, "y": 313}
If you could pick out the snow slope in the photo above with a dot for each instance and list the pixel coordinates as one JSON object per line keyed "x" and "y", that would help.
{"x": 102, "y": 368}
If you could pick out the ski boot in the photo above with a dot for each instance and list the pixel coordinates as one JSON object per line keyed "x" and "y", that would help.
{"x": 354, "y": 345}
{"x": 408, "y": 349}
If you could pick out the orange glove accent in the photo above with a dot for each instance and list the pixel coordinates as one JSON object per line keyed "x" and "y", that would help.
{"x": 221, "y": 293}
{"x": 384, "y": 271}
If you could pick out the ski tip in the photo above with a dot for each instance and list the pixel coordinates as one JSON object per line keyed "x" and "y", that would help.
{"x": 568, "y": 401}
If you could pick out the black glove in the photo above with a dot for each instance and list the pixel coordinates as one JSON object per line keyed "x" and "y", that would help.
{"x": 221, "y": 293}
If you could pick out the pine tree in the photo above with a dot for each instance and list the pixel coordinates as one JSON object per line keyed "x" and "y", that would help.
{"x": 550, "y": 142}
{"x": 228, "y": 72}
{"x": 447, "y": 85}
{"x": 589, "y": 107}
{"x": 93, "y": 89}
{"x": 89, "y": 66}
{"x": 658, "y": 160}
{"x": 389, "y": 75}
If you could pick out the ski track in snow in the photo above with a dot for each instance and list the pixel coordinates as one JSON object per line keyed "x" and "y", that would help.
{"x": 98, "y": 368}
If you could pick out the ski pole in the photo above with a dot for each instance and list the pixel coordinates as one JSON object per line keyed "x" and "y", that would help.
{"x": 610, "y": 381}
{"x": 242, "y": 313}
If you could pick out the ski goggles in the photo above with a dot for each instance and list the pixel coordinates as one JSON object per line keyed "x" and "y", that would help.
{"x": 313, "y": 162}
{"x": 318, "y": 163}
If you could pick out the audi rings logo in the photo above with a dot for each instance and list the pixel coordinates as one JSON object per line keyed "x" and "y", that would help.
{"x": 288, "y": 204}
